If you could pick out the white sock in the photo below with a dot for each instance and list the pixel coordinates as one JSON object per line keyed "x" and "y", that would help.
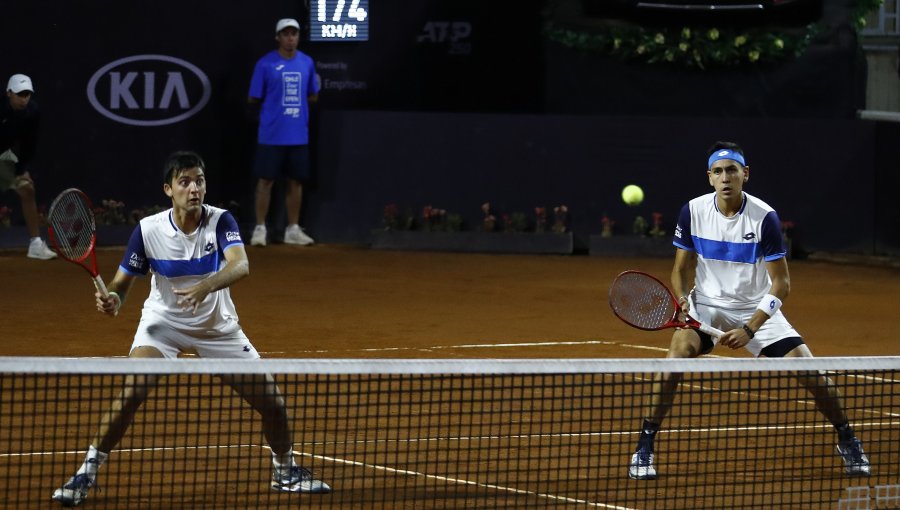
{"x": 92, "y": 462}
{"x": 283, "y": 461}
{"x": 35, "y": 239}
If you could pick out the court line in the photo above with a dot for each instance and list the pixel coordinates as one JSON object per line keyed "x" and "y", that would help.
{"x": 557, "y": 435}
{"x": 546, "y": 343}
{"x": 462, "y": 481}
{"x": 336, "y": 460}
{"x": 767, "y": 396}
{"x": 474, "y": 346}
{"x": 507, "y": 345}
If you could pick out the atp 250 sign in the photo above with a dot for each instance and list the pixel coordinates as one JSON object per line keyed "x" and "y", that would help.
{"x": 149, "y": 90}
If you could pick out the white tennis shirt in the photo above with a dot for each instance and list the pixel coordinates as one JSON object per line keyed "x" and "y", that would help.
{"x": 178, "y": 260}
{"x": 731, "y": 252}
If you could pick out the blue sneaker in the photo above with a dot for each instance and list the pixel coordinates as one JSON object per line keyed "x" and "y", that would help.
{"x": 297, "y": 479}
{"x": 641, "y": 467}
{"x": 75, "y": 491}
{"x": 855, "y": 461}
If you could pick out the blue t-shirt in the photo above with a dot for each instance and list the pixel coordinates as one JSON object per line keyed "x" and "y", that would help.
{"x": 284, "y": 86}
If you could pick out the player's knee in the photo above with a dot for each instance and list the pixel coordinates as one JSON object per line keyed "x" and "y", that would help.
{"x": 685, "y": 344}
{"x": 137, "y": 389}
{"x": 25, "y": 188}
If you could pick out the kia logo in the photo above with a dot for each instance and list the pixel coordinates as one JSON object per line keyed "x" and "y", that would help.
{"x": 149, "y": 90}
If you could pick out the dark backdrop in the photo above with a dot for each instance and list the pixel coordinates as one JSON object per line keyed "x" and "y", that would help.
{"x": 451, "y": 103}
{"x": 817, "y": 174}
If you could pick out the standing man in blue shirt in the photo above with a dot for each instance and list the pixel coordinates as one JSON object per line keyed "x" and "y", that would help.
{"x": 283, "y": 85}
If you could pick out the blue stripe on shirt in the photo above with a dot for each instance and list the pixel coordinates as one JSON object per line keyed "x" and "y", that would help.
{"x": 746, "y": 253}
{"x": 194, "y": 267}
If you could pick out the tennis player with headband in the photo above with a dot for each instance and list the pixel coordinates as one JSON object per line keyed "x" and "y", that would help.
{"x": 195, "y": 253}
{"x": 731, "y": 272}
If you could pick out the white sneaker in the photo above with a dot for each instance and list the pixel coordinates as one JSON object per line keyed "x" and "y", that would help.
{"x": 38, "y": 249}
{"x": 259, "y": 236}
{"x": 75, "y": 491}
{"x": 297, "y": 479}
{"x": 856, "y": 463}
{"x": 295, "y": 235}
{"x": 641, "y": 467}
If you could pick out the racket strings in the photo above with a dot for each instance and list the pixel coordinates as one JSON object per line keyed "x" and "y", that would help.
{"x": 641, "y": 301}
{"x": 73, "y": 225}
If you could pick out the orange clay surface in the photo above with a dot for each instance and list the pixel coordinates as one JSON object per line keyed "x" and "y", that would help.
{"x": 338, "y": 301}
{"x": 331, "y": 301}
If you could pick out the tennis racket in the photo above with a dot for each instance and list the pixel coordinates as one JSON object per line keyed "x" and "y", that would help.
{"x": 644, "y": 302}
{"x": 73, "y": 232}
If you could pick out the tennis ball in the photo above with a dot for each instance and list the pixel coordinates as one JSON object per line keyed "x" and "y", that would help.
{"x": 632, "y": 194}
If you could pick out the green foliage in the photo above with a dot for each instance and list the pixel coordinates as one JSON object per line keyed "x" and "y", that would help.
{"x": 861, "y": 9}
{"x": 515, "y": 222}
{"x": 454, "y": 222}
{"x": 697, "y": 47}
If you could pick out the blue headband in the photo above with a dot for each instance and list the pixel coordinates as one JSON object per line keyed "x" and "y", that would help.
{"x": 725, "y": 154}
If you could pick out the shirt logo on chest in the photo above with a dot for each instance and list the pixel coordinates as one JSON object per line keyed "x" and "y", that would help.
{"x": 209, "y": 247}
{"x": 749, "y": 235}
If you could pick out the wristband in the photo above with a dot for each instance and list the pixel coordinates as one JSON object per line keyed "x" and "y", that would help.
{"x": 118, "y": 298}
{"x": 749, "y": 331}
{"x": 769, "y": 304}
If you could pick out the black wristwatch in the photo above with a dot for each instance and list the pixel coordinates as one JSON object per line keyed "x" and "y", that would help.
{"x": 749, "y": 331}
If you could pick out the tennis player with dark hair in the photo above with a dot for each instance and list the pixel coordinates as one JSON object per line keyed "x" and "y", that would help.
{"x": 730, "y": 272}
{"x": 195, "y": 253}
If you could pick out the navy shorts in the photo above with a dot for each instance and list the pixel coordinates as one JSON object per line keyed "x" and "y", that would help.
{"x": 777, "y": 349}
{"x": 273, "y": 161}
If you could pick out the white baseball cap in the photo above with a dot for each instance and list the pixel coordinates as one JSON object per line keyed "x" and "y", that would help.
{"x": 286, "y": 22}
{"x": 18, "y": 83}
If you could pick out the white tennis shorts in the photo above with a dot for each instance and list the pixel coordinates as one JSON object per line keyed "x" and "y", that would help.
{"x": 156, "y": 333}
{"x": 773, "y": 330}
{"x": 8, "y": 162}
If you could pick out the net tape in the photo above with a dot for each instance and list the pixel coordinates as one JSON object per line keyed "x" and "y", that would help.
{"x": 56, "y": 365}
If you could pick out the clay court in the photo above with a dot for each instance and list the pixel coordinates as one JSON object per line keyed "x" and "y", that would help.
{"x": 335, "y": 301}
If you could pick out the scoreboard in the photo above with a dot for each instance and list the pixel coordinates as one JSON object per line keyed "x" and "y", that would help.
{"x": 339, "y": 20}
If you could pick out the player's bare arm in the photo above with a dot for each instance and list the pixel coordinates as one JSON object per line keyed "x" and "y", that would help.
{"x": 683, "y": 276}
{"x": 237, "y": 267}
{"x": 118, "y": 290}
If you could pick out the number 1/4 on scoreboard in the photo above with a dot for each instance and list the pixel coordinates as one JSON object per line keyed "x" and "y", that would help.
{"x": 339, "y": 20}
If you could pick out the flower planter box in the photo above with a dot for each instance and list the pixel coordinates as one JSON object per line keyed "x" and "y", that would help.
{"x": 16, "y": 236}
{"x": 482, "y": 242}
{"x": 631, "y": 246}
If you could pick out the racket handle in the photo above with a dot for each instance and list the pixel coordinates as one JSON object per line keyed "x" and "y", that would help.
{"x": 101, "y": 288}
{"x": 709, "y": 330}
